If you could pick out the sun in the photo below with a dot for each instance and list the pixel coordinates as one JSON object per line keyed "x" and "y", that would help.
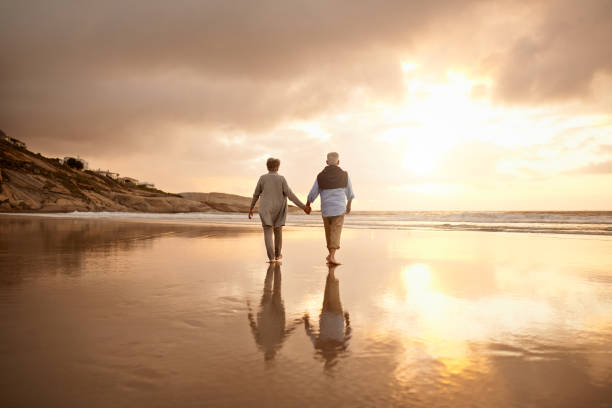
{"x": 434, "y": 117}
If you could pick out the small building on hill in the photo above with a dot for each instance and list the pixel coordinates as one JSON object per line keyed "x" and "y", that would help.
{"x": 128, "y": 181}
{"x": 107, "y": 173}
{"x": 17, "y": 143}
{"x": 146, "y": 184}
{"x": 12, "y": 140}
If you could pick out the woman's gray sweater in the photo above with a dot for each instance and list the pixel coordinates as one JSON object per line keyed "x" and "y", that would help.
{"x": 273, "y": 190}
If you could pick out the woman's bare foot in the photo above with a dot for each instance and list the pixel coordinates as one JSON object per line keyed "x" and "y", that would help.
{"x": 327, "y": 258}
{"x": 271, "y": 261}
{"x": 278, "y": 258}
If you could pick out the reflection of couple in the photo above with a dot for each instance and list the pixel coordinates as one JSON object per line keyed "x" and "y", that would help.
{"x": 270, "y": 330}
{"x": 334, "y": 186}
{"x": 269, "y": 326}
{"x": 333, "y": 335}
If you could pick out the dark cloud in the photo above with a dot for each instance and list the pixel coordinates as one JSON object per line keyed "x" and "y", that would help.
{"x": 98, "y": 73}
{"x": 90, "y": 112}
{"x": 263, "y": 39}
{"x": 562, "y": 56}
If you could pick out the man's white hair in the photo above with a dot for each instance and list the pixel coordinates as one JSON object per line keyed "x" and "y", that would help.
{"x": 333, "y": 158}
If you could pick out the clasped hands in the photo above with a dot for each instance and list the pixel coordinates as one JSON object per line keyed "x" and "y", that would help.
{"x": 307, "y": 210}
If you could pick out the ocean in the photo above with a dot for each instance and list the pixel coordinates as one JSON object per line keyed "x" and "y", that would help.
{"x": 547, "y": 222}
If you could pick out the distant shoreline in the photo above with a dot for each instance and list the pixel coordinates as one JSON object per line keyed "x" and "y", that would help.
{"x": 586, "y": 223}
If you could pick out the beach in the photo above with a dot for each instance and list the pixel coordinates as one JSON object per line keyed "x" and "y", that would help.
{"x": 168, "y": 312}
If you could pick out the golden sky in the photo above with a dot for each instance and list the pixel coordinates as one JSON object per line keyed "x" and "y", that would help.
{"x": 497, "y": 105}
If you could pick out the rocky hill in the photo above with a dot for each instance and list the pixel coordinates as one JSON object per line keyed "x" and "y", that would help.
{"x": 226, "y": 202}
{"x": 30, "y": 182}
{"x": 220, "y": 201}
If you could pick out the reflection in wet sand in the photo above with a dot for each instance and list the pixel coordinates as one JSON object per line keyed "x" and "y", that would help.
{"x": 334, "y": 332}
{"x": 101, "y": 313}
{"x": 31, "y": 240}
{"x": 268, "y": 327}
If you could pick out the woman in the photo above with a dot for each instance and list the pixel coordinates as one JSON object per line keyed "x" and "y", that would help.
{"x": 274, "y": 191}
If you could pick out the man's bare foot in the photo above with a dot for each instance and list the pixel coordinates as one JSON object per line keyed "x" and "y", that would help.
{"x": 332, "y": 261}
{"x": 278, "y": 258}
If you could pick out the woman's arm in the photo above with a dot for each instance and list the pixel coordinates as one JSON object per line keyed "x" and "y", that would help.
{"x": 256, "y": 194}
{"x": 287, "y": 192}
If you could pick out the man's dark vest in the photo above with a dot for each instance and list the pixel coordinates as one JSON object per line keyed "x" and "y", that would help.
{"x": 332, "y": 177}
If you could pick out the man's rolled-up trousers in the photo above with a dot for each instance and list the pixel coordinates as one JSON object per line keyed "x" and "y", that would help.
{"x": 333, "y": 230}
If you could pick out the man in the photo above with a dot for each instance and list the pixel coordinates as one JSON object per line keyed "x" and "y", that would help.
{"x": 335, "y": 188}
{"x": 334, "y": 332}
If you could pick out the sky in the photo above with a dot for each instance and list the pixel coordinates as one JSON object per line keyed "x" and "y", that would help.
{"x": 437, "y": 105}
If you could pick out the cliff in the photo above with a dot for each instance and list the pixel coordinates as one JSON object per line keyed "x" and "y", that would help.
{"x": 30, "y": 182}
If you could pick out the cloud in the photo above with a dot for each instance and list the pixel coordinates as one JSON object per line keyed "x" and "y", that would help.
{"x": 106, "y": 72}
{"x": 595, "y": 168}
{"x": 77, "y": 71}
{"x": 263, "y": 40}
{"x": 561, "y": 56}
{"x": 209, "y": 88}
{"x": 606, "y": 148}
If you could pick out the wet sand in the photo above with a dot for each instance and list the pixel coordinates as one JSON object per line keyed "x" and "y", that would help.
{"x": 112, "y": 313}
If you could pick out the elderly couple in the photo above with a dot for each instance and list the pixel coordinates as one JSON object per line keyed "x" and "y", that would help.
{"x": 332, "y": 183}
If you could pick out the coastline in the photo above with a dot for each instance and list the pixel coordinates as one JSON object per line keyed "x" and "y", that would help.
{"x": 551, "y": 223}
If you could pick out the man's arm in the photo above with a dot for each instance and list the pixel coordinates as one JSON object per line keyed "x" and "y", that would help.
{"x": 314, "y": 193}
{"x": 349, "y": 195}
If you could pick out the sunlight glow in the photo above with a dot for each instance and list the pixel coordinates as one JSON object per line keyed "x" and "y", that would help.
{"x": 409, "y": 66}
{"x": 232, "y": 140}
{"x": 438, "y": 114}
{"x": 313, "y": 130}
{"x": 429, "y": 188}
{"x": 447, "y": 143}
{"x": 420, "y": 161}
{"x": 417, "y": 278}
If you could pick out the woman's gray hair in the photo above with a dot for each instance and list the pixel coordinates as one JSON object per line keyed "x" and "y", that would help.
{"x": 333, "y": 158}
